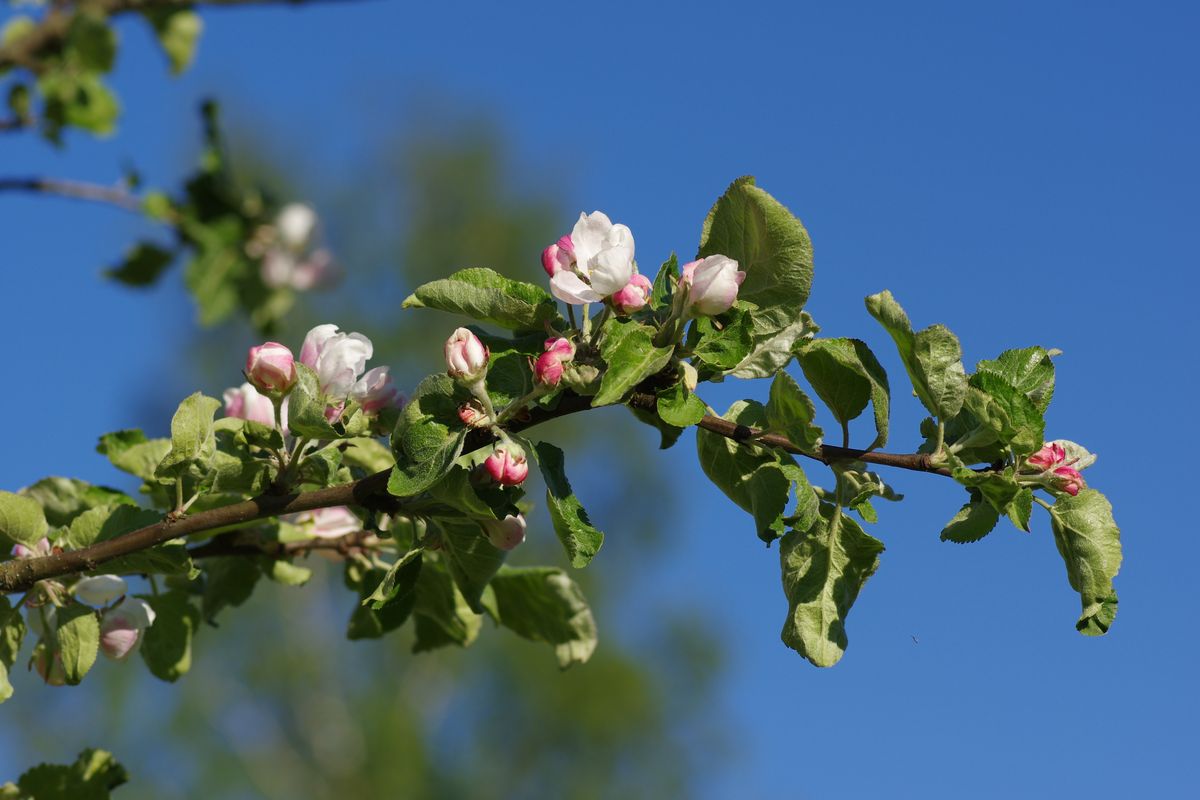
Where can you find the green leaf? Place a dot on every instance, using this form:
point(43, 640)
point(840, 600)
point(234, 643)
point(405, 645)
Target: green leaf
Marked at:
point(399, 582)
point(130, 451)
point(106, 522)
point(679, 407)
point(428, 438)
point(90, 43)
point(669, 433)
point(1021, 508)
point(192, 439)
point(306, 407)
point(998, 488)
point(167, 644)
point(1090, 544)
point(773, 248)
point(12, 633)
point(1021, 425)
point(487, 296)
point(286, 573)
point(973, 521)
point(371, 621)
point(21, 520)
point(845, 375)
point(144, 263)
point(628, 349)
point(63, 499)
point(790, 412)
point(543, 604)
point(509, 376)
point(723, 342)
point(93, 776)
point(1028, 369)
point(442, 616)
point(78, 99)
point(571, 524)
point(178, 32)
point(470, 557)
point(664, 282)
point(748, 474)
point(932, 357)
point(78, 640)
point(824, 569)
point(228, 582)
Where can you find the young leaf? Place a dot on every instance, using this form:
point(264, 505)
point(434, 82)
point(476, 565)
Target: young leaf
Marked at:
point(12, 633)
point(487, 296)
point(93, 776)
point(669, 433)
point(1021, 508)
point(973, 521)
point(399, 582)
point(628, 350)
point(932, 357)
point(78, 639)
point(543, 604)
point(1090, 544)
point(442, 614)
point(790, 412)
point(306, 407)
point(470, 557)
point(21, 520)
point(824, 569)
point(106, 522)
point(130, 451)
point(772, 247)
point(723, 343)
point(845, 375)
point(571, 524)
point(178, 31)
point(192, 438)
point(372, 620)
point(1022, 426)
point(63, 499)
point(679, 407)
point(428, 437)
point(144, 263)
point(661, 290)
point(167, 644)
point(228, 582)
point(1029, 369)
point(998, 488)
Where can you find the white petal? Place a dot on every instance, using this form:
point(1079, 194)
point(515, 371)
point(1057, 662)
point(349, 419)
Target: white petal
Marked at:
point(611, 270)
point(570, 288)
point(588, 237)
point(99, 590)
point(314, 343)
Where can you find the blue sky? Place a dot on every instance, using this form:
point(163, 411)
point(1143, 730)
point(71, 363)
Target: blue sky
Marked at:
point(1025, 173)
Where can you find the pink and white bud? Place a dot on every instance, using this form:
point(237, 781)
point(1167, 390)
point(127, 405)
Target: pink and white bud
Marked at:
point(122, 626)
point(326, 523)
point(634, 296)
point(473, 415)
point(1068, 480)
point(507, 533)
point(42, 548)
point(296, 224)
point(558, 256)
point(376, 391)
point(466, 357)
point(549, 366)
point(337, 358)
point(507, 466)
point(1049, 456)
point(271, 367)
point(245, 402)
point(99, 590)
point(711, 284)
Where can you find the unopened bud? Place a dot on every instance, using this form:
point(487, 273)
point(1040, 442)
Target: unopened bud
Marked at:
point(507, 465)
point(1068, 480)
point(548, 369)
point(122, 626)
point(466, 357)
point(507, 533)
point(472, 415)
point(271, 367)
point(711, 284)
point(558, 256)
point(99, 590)
point(633, 296)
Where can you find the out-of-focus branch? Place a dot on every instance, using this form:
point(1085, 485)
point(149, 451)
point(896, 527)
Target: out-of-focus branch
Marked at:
point(237, 544)
point(78, 190)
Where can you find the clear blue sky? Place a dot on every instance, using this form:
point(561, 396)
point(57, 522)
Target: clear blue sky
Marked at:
point(1026, 173)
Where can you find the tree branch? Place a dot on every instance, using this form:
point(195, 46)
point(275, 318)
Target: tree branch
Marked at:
point(237, 544)
point(20, 574)
point(51, 30)
point(78, 190)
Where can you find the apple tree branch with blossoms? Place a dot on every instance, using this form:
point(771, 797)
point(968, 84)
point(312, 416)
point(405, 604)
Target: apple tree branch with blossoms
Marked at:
point(422, 497)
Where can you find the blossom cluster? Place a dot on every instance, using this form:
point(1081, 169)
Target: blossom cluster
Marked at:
point(1057, 466)
point(290, 256)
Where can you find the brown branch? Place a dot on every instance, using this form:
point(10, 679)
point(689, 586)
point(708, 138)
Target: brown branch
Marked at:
point(51, 31)
point(238, 544)
point(20, 574)
point(77, 190)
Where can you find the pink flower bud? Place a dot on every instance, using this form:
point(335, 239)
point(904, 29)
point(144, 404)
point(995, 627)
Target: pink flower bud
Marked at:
point(711, 284)
point(473, 416)
point(466, 357)
point(376, 391)
point(326, 523)
point(1048, 456)
point(548, 369)
point(1068, 480)
point(634, 296)
point(122, 626)
point(558, 256)
point(271, 367)
point(42, 548)
point(507, 533)
point(99, 590)
point(507, 468)
point(246, 403)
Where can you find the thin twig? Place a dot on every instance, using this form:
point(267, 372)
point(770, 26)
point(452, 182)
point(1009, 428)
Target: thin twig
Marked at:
point(77, 190)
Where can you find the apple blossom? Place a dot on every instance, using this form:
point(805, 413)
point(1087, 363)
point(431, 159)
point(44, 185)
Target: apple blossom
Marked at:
point(1050, 455)
point(296, 224)
point(558, 256)
point(337, 358)
point(507, 465)
point(375, 391)
point(245, 402)
point(1067, 480)
point(548, 368)
point(99, 590)
point(42, 548)
point(633, 296)
point(711, 284)
point(326, 523)
point(466, 357)
point(603, 261)
point(271, 367)
point(473, 415)
point(122, 626)
point(281, 268)
point(507, 533)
